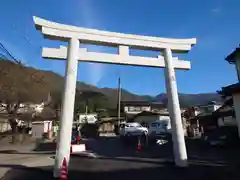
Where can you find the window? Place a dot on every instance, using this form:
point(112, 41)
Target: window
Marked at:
point(138, 126)
point(145, 108)
point(137, 108)
point(155, 125)
point(131, 108)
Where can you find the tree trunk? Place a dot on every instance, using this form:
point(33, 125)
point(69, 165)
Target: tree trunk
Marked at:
point(12, 109)
point(13, 125)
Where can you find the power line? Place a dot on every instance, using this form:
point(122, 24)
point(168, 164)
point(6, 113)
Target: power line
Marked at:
point(8, 54)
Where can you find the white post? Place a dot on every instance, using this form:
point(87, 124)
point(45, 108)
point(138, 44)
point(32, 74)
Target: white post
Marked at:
point(67, 111)
point(179, 147)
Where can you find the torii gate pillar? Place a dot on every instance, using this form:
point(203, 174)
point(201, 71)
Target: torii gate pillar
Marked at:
point(67, 109)
point(179, 148)
point(73, 54)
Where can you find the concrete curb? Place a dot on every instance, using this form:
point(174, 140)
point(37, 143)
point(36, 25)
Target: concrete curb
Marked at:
point(40, 162)
point(86, 154)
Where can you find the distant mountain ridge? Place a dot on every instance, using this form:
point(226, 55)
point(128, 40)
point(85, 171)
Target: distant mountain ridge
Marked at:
point(189, 100)
point(53, 81)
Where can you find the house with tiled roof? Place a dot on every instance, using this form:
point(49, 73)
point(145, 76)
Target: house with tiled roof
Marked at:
point(233, 91)
point(228, 114)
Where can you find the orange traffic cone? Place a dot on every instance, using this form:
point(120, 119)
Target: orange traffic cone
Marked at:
point(64, 171)
point(139, 146)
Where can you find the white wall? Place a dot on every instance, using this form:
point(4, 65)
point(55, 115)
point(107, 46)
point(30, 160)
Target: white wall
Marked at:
point(237, 65)
point(131, 109)
point(91, 118)
point(37, 130)
point(236, 103)
point(215, 107)
point(207, 108)
point(4, 125)
point(167, 118)
point(47, 126)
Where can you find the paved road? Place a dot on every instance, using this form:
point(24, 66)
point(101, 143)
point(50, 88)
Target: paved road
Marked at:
point(117, 162)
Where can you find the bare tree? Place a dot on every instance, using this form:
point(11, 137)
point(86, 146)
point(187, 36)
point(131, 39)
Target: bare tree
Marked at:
point(54, 102)
point(18, 85)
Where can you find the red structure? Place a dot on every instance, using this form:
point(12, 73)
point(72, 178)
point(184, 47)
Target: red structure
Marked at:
point(139, 146)
point(64, 170)
point(78, 138)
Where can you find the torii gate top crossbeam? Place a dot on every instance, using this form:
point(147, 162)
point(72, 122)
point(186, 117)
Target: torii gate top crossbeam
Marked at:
point(56, 31)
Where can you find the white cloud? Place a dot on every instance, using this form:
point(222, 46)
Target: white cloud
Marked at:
point(216, 10)
point(91, 20)
point(87, 13)
point(96, 72)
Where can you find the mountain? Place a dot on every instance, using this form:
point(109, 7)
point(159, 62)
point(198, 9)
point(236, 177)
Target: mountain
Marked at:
point(189, 100)
point(25, 78)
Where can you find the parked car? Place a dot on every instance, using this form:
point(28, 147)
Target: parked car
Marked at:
point(132, 129)
point(159, 128)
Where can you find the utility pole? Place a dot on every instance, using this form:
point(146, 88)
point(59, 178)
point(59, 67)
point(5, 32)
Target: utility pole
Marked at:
point(119, 101)
point(86, 111)
point(86, 107)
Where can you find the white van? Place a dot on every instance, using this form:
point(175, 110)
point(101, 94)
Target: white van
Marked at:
point(160, 127)
point(132, 129)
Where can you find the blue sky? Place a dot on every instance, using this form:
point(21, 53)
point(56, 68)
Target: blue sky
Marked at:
point(215, 24)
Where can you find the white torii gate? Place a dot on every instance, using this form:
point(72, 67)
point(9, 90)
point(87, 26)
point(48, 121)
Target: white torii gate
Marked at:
point(73, 53)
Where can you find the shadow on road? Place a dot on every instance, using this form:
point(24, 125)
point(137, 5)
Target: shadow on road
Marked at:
point(198, 153)
point(45, 146)
point(120, 161)
point(38, 148)
point(130, 171)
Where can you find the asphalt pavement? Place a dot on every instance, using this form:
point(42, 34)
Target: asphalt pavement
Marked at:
point(116, 161)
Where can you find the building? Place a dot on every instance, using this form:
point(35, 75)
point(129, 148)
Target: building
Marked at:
point(198, 117)
point(226, 114)
point(147, 117)
point(233, 91)
point(221, 119)
point(90, 118)
point(40, 128)
point(221, 122)
point(135, 107)
point(210, 107)
point(202, 109)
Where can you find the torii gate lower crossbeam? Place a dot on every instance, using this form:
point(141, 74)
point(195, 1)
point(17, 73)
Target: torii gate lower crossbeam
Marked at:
point(74, 35)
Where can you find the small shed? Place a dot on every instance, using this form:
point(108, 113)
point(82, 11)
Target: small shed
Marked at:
point(41, 127)
point(42, 123)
